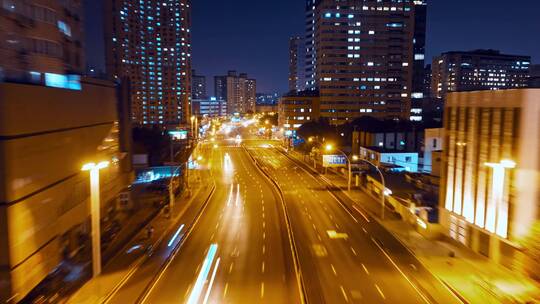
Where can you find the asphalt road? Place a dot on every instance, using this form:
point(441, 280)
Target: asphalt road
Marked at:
point(342, 257)
point(238, 252)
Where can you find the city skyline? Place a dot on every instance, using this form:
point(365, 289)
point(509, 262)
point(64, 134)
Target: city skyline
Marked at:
point(268, 61)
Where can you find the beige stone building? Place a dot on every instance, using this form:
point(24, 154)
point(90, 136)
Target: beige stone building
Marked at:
point(490, 183)
point(46, 135)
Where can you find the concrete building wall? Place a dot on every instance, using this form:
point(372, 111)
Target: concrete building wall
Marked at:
point(46, 135)
point(293, 111)
point(490, 127)
point(433, 142)
point(41, 36)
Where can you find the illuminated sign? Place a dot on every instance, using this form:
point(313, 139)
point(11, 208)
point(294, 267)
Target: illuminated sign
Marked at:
point(71, 82)
point(179, 134)
point(334, 161)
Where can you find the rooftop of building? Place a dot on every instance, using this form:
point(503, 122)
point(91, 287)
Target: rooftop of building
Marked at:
point(486, 52)
point(386, 150)
point(305, 93)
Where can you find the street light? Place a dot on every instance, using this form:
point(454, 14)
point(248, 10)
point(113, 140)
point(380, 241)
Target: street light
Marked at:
point(95, 213)
point(330, 148)
point(500, 209)
point(385, 191)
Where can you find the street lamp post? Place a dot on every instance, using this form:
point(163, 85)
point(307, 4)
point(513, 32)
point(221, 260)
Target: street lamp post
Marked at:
point(171, 190)
point(499, 226)
point(330, 148)
point(384, 191)
point(95, 213)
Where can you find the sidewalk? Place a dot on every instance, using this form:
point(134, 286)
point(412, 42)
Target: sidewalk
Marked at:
point(136, 252)
point(474, 277)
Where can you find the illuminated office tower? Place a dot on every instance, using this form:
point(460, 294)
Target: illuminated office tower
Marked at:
point(149, 42)
point(297, 55)
point(477, 71)
point(360, 56)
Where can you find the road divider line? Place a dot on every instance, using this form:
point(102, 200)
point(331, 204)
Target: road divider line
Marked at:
point(361, 213)
point(380, 291)
point(292, 243)
point(401, 272)
point(344, 293)
point(225, 290)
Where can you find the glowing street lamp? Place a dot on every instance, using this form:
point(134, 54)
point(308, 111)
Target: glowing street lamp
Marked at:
point(329, 148)
point(95, 213)
point(498, 217)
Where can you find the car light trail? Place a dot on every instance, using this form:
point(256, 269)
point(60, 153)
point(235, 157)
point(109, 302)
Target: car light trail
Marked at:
point(211, 282)
point(175, 235)
point(203, 275)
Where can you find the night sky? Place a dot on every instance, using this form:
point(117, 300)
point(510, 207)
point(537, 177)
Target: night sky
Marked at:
point(252, 35)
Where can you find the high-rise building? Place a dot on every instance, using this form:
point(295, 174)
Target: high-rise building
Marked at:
point(149, 42)
point(360, 56)
point(419, 48)
point(38, 37)
point(198, 86)
point(534, 80)
point(239, 92)
point(490, 183)
point(477, 71)
point(297, 57)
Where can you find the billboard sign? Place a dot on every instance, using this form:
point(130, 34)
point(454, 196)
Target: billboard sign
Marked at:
point(179, 134)
point(334, 161)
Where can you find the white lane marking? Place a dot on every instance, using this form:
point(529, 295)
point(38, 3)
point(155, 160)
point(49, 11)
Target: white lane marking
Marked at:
point(262, 290)
point(361, 213)
point(264, 249)
point(365, 269)
point(264, 235)
point(401, 272)
point(209, 289)
point(364, 229)
point(237, 194)
point(333, 269)
point(380, 291)
point(230, 196)
point(344, 293)
point(353, 251)
point(225, 290)
point(262, 267)
point(231, 267)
